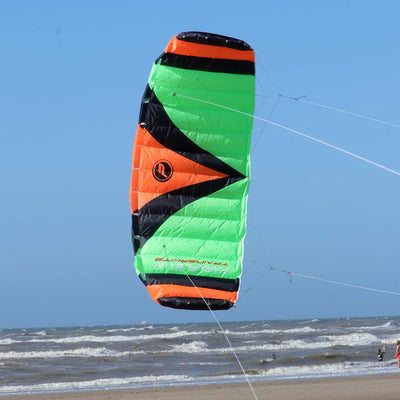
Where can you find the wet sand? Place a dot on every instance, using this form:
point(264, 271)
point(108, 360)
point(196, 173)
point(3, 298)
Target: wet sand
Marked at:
point(382, 387)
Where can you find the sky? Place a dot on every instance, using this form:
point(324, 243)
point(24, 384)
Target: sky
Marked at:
point(72, 77)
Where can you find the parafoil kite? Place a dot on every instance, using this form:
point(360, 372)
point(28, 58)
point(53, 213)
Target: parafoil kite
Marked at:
point(190, 171)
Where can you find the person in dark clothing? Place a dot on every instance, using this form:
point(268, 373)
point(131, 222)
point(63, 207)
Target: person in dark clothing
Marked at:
point(381, 353)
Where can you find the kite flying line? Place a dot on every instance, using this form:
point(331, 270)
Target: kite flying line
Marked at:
point(316, 278)
point(295, 132)
point(301, 100)
point(290, 273)
point(225, 335)
point(311, 277)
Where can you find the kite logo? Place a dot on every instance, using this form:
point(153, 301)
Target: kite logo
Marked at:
point(162, 170)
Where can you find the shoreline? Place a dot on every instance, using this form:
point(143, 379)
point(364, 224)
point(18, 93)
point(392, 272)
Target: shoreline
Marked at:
point(367, 387)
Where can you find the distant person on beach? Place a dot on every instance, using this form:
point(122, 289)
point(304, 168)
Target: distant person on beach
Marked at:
point(381, 353)
point(397, 353)
point(274, 356)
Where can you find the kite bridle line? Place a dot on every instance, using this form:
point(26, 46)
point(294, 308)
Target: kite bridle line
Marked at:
point(226, 337)
point(292, 131)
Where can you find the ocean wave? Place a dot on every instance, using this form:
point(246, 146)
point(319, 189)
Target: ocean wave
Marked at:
point(173, 333)
point(309, 321)
point(338, 369)
point(199, 346)
point(131, 329)
point(196, 346)
point(107, 339)
point(125, 329)
point(320, 357)
point(346, 340)
point(7, 341)
point(203, 363)
point(266, 360)
point(294, 344)
point(351, 339)
point(40, 333)
point(267, 347)
point(305, 329)
point(388, 326)
point(138, 381)
point(255, 374)
point(330, 369)
point(391, 339)
point(82, 352)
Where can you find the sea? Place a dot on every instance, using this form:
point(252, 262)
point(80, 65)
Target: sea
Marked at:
point(159, 355)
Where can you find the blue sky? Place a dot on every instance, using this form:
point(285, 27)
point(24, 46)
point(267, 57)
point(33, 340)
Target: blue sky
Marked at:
point(72, 77)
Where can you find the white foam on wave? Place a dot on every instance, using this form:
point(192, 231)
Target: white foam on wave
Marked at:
point(309, 321)
point(137, 381)
point(305, 329)
point(113, 338)
point(351, 339)
point(7, 341)
point(82, 352)
point(322, 342)
point(311, 371)
point(392, 338)
point(40, 333)
point(131, 329)
point(124, 330)
point(173, 333)
point(204, 363)
point(196, 346)
point(388, 326)
point(336, 369)
point(174, 329)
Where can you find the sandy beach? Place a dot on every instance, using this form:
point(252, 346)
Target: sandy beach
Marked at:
point(382, 387)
